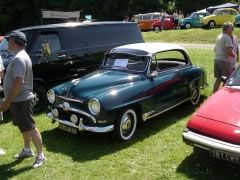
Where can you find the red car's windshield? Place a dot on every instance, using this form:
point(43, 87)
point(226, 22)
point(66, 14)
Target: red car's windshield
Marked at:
point(234, 80)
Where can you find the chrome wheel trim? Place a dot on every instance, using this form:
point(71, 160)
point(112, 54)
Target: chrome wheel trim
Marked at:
point(35, 99)
point(156, 29)
point(195, 95)
point(212, 24)
point(128, 124)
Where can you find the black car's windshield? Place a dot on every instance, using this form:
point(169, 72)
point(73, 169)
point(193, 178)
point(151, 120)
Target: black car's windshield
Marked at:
point(4, 45)
point(234, 81)
point(126, 62)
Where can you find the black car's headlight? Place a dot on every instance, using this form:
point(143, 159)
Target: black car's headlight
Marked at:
point(94, 106)
point(51, 96)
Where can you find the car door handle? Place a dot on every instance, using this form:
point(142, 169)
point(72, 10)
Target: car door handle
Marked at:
point(62, 56)
point(68, 63)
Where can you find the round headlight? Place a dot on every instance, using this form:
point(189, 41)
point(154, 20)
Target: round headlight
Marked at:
point(74, 118)
point(55, 112)
point(51, 96)
point(94, 106)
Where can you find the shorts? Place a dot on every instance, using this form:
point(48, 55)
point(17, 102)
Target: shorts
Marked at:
point(222, 68)
point(22, 113)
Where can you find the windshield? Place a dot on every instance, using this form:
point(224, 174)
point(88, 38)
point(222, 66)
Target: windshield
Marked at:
point(126, 62)
point(234, 81)
point(4, 45)
point(192, 15)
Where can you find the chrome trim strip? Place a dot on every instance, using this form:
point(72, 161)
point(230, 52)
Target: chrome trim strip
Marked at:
point(69, 99)
point(82, 127)
point(146, 114)
point(80, 112)
point(210, 143)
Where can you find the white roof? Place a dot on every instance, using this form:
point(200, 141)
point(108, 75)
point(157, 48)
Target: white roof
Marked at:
point(152, 48)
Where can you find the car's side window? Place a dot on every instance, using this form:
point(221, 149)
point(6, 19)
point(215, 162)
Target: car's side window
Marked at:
point(169, 59)
point(51, 39)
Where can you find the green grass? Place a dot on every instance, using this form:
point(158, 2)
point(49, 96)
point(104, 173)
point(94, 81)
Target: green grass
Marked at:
point(155, 152)
point(197, 35)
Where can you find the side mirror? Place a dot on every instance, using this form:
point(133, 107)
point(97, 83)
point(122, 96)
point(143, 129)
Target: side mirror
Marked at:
point(153, 74)
point(224, 79)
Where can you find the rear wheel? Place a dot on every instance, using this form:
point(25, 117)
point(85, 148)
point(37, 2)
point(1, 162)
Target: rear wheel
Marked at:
point(40, 97)
point(194, 93)
point(125, 125)
point(211, 24)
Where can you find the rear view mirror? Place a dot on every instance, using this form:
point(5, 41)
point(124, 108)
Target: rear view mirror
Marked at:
point(46, 51)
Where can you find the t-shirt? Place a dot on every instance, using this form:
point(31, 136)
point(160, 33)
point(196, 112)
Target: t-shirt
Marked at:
point(235, 48)
point(19, 66)
point(1, 64)
point(223, 42)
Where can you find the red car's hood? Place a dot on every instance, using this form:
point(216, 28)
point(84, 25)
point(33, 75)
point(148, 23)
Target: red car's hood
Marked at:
point(223, 106)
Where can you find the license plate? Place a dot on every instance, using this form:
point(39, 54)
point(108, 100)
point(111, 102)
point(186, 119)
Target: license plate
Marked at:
point(225, 156)
point(68, 129)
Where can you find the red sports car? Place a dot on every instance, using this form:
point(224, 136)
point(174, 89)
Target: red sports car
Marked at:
point(215, 127)
point(168, 24)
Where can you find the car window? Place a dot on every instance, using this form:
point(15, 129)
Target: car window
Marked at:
point(168, 59)
point(201, 16)
point(156, 16)
point(52, 39)
point(195, 16)
point(126, 62)
point(233, 12)
point(147, 17)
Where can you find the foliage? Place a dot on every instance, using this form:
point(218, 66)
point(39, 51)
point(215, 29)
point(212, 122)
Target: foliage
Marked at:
point(16, 14)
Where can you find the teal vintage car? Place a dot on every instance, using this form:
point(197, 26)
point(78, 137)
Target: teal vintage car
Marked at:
point(194, 20)
point(237, 21)
point(134, 83)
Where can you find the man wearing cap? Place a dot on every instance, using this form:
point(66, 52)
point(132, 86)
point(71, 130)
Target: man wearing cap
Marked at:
point(226, 54)
point(18, 87)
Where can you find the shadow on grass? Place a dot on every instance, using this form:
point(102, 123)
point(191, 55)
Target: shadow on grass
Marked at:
point(7, 170)
point(92, 146)
point(199, 165)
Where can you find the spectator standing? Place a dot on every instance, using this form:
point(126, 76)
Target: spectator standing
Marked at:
point(126, 19)
point(163, 15)
point(18, 86)
point(2, 152)
point(175, 15)
point(180, 16)
point(226, 54)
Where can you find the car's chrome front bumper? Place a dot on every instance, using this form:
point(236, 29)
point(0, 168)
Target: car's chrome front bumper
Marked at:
point(81, 126)
point(208, 143)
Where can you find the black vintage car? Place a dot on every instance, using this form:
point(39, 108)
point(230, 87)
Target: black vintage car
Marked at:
point(60, 52)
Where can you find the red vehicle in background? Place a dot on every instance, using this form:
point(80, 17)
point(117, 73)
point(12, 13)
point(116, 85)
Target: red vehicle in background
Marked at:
point(168, 24)
point(215, 127)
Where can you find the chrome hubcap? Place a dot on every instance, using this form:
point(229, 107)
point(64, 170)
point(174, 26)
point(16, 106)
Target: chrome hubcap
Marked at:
point(126, 123)
point(35, 99)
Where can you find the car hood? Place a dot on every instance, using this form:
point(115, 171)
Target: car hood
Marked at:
point(223, 106)
point(99, 82)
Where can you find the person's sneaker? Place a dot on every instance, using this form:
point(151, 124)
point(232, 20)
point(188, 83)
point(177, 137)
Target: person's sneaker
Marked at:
point(39, 161)
point(24, 154)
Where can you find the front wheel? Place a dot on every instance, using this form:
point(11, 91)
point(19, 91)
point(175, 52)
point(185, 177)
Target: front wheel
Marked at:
point(188, 26)
point(40, 97)
point(156, 29)
point(194, 93)
point(125, 125)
